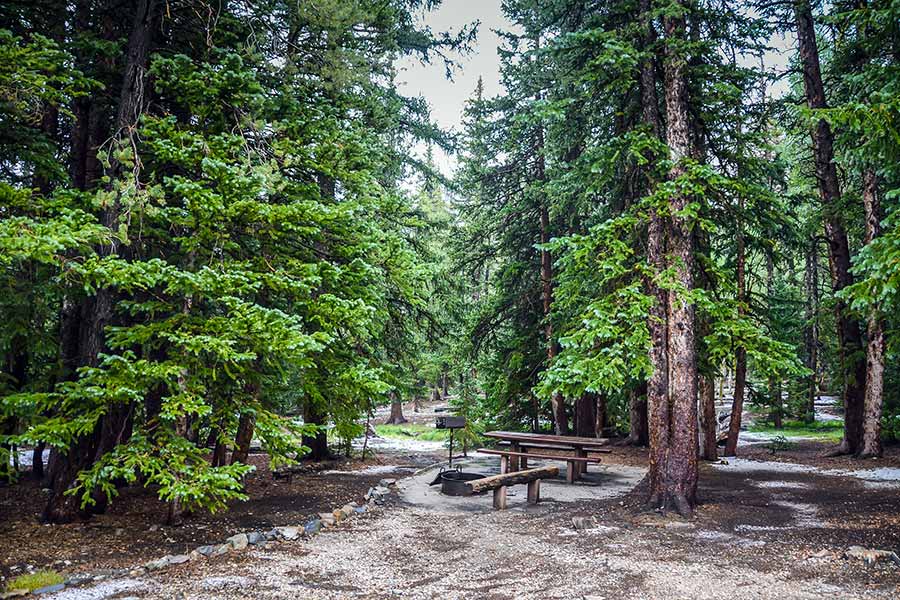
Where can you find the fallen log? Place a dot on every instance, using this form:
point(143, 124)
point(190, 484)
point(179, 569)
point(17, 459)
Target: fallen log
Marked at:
point(505, 479)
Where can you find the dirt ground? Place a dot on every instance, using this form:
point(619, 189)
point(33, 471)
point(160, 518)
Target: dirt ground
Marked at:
point(777, 526)
point(132, 531)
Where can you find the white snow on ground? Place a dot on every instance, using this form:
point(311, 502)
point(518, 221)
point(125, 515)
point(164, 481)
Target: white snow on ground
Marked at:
point(410, 444)
point(882, 476)
point(25, 458)
point(797, 485)
point(101, 591)
point(373, 470)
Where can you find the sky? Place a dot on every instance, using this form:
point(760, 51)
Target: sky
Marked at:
point(447, 98)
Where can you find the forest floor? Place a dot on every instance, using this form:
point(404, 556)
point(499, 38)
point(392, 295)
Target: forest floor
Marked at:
point(770, 525)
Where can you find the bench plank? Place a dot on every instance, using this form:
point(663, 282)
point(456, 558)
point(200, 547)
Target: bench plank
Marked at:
point(505, 479)
point(585, 459)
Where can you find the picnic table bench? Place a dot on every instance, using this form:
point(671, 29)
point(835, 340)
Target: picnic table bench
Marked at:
point(499, 483)
point(520, 442)
point(571, 461)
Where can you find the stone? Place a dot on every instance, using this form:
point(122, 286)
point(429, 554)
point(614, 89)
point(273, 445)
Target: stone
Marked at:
point(387, 482)
point(348, 510)
point(49, 589)
point(238, 541)
point(361, 509)
point(582, 523)
point(256, 538)
point(79, 579)
point(207, 550)
point(179, 559)
point(272, 534)
point(156, 565)
point(288, 533)
point(13, 594)
point(871, 556)
point(338, 515)
point(313, 527)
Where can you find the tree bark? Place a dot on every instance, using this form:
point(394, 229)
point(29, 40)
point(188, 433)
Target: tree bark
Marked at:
point(318, 443)
point(740, 355)
point(243, 437)
point(875, 347)
point(586, 415)
point(811, 332)
point(637, 416)
point(658, 409)
point(848, 329)
point(709, 420)
point(774, 381)
point(396, 417)
point(679, 479)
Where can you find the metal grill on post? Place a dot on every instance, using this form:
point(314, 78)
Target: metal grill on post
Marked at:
point(452, 423)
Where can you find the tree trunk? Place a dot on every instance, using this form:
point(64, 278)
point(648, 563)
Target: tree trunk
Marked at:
point(740, 355)
point(678, 481)
point(243, 437)
point(220, 452)
point(848, 329)
point(709, 420)
point(811, 332)
point(396, 417)
point(560, 420)
point(586, 415)
point(318, 443)
point(774, 381)
point(637, 416)
point(658, 409)
point(875, 347)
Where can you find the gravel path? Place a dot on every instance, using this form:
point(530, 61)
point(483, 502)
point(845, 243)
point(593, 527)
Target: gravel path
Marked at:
point(419, 547)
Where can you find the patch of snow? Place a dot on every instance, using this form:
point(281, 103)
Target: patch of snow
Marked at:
point(100, 591)
point(373, 470)
point(799, 485)
point(399, 444)
point(25, 457)
point(879, 477)
point(748, 528)
point(806, 515)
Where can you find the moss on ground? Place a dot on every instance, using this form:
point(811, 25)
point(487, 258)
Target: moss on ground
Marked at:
point(820, 430)
point(34, 581)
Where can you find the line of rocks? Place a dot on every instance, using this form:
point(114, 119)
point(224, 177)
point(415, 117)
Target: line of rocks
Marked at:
point(374, 497)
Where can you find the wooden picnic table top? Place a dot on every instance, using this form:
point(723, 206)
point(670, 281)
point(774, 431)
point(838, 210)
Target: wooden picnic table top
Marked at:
point(560, 440)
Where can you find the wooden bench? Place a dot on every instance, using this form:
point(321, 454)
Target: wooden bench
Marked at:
point(499, 483)
point(571, 461)
point(580, 466)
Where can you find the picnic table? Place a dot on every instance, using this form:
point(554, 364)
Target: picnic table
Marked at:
point(520, 442)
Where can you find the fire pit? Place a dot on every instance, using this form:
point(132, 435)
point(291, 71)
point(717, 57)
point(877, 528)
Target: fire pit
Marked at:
point(453, 482)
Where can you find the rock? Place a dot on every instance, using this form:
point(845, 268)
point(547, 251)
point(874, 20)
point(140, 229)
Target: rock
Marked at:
point(207, 550)
point(338, 515)
point(156, 565)
point(581, 523)
point(238, 541)
point(256, 538)
point(870, 557)
point(388, 481)
point(49, 589)
point(313, 527)
point(13, 594)
point(179, 559)
point(79, 579)
point(214, 549)
point(288, 533)
point(272, 534)
point(360, 509)
point(348, 510)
